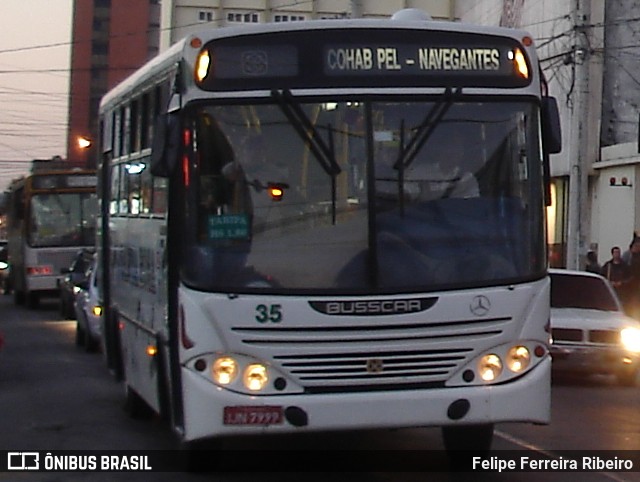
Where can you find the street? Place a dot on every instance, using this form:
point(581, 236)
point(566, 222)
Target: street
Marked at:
point(57, 397)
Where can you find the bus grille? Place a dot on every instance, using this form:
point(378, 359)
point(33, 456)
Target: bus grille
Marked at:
point(347, 356)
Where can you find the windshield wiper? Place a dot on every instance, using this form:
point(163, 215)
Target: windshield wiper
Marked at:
point(308, 132)
point(324, 154)
point(407, 154)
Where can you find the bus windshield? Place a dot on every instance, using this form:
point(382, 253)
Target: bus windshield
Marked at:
point(363, 196)
point(62, 219)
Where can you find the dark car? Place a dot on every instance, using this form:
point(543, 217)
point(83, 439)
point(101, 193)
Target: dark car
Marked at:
point(71, 284)
point(88, 309)
point(5, 284)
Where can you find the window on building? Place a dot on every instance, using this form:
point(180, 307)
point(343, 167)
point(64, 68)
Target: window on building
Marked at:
point(205, 16)
point(238, 17)
point(288, 18)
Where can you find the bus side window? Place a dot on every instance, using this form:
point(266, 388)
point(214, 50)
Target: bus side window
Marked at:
point(115, 190)
point(160, 188)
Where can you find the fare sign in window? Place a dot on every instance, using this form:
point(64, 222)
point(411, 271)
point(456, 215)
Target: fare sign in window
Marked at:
point(229, 226)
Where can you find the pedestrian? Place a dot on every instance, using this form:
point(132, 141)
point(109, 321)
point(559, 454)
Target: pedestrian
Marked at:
point(633, 288)
point(592, 263)
point(617, 272)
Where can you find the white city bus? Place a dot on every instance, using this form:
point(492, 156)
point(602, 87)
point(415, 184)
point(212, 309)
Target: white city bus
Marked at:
point(333, 225)
point(51, 216)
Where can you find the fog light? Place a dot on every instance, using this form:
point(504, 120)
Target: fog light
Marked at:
point(490, 367)
point(518, 358)
point(224, 370)
point(255, 377)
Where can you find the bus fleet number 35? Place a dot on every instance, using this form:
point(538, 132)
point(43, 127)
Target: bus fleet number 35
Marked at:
point(269, 313)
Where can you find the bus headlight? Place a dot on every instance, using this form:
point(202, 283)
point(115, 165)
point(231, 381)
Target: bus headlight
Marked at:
point(244, 374)
point(490, 367)
point(500, 364)
point(630, 338)
point(255, 377)
point(224, 370)
point(518, 358)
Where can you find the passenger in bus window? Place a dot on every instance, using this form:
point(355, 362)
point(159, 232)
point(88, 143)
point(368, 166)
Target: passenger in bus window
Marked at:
point(451, 175)
point(221, 191)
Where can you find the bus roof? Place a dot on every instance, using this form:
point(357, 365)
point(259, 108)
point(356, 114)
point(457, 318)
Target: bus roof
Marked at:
point(167, 60)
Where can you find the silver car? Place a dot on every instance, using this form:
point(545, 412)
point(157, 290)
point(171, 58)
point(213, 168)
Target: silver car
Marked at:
point(590, 332)
point(88, 309)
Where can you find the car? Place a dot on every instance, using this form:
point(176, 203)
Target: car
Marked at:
point(5, 281)
point(88, 310)
point(590, 333)
point(75, 275)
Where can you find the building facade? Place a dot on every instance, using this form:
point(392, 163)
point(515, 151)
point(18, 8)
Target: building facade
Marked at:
point(110, 39)
point(180, 17)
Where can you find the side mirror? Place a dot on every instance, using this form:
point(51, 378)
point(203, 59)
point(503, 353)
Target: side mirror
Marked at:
point(166, 145)
point(551, 130)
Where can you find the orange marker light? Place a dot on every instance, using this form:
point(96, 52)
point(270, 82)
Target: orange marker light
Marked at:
point(152, 350)
point(276, 193)
point(276, 190)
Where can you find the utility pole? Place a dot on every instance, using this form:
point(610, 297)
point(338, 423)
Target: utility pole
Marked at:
point(356, 8)
point(579, 154)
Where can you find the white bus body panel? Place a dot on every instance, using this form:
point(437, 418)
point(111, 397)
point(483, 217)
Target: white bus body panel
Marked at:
point(226, 325)
point(139, 293)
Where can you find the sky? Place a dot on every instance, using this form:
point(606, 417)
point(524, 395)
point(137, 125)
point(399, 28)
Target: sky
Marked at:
point(34, 82)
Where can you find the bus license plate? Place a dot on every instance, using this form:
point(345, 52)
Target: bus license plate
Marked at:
point(244, 415)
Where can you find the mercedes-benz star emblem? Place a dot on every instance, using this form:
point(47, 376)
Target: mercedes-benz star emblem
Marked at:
point(375, 365)
point(480, 305)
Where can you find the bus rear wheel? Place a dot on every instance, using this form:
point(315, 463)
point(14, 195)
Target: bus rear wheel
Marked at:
point(200, 455)
point(18, 297)
point(135, 406)
point(32, 299)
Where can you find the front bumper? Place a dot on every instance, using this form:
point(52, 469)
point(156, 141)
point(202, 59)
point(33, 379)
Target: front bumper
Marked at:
point(526, 399)
point(592, 358)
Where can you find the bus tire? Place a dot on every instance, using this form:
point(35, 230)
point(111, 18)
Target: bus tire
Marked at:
point(80, 335)
point(135, 406)
point(18, 297)
point(200, 455)
point(112, 351)
point(32, 299)
point(463, 441)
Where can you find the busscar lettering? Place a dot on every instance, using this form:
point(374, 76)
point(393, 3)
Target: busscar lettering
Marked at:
point(371, 307)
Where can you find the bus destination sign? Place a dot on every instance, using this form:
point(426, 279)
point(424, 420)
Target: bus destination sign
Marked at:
point(63, 181)
point(387, 58)
point(341, 60)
